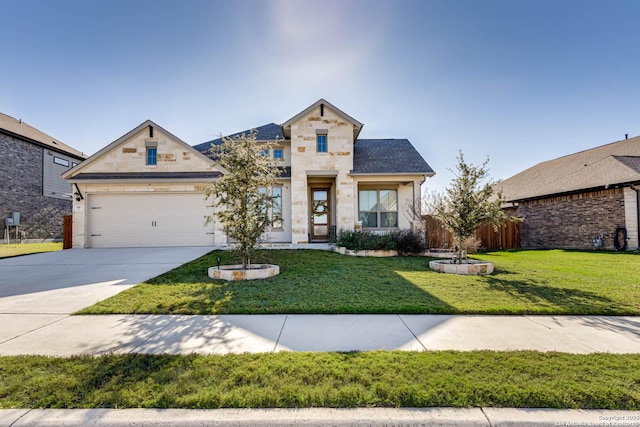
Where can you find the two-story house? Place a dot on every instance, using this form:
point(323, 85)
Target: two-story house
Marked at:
point(33, 196)
point(147, 187)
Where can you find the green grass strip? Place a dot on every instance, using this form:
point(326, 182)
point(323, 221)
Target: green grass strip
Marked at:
point(12, 250)
point(525, 282)
point(294, 380)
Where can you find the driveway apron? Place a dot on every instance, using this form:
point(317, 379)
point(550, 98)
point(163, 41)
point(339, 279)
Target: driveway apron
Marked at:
point(42, 289)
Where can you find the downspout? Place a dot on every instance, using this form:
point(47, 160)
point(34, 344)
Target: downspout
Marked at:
point(637, 190)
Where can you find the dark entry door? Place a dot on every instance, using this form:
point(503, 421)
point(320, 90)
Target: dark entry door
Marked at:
point(320, 214)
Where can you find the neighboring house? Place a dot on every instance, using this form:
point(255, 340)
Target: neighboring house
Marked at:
point(30, 169)
point(579, 201)
point(147, 187)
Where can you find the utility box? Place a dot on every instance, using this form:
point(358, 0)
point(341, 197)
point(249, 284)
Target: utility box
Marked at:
point(8, 222)
point(16, 219)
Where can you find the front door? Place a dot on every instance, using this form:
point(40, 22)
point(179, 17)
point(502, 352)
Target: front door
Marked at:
point(320, 214)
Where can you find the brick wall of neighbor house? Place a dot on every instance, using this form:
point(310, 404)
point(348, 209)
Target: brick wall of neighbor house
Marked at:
point(572, 222)
point(21, 191)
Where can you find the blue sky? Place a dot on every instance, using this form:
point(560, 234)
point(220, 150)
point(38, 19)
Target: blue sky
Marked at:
point(519, 81)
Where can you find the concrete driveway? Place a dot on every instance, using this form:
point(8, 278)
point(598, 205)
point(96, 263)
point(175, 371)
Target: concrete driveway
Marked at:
point(42, 289)
point(63, 282)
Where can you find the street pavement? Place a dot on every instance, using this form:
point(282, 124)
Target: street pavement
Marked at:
point(39, 293)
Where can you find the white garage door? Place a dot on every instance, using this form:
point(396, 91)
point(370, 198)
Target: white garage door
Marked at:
point(146, 220)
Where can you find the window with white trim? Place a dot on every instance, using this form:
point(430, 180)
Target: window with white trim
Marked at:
point(275, 210)
point(60, 161)
point(378, 208)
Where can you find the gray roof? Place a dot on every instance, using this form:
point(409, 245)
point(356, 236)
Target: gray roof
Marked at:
point(388, 156)
point(148, 175)
point(632, 162)
point(601, 167)
point(20, 128)
point(268, 132)
point(284, 171)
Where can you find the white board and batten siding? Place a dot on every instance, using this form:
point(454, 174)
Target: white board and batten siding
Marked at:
point(149, 220)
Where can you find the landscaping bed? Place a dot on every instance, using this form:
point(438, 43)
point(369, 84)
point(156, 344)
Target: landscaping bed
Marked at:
point(294, 380)
point(524, 282)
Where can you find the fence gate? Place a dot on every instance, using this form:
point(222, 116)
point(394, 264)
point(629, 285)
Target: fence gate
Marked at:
point(67, 234)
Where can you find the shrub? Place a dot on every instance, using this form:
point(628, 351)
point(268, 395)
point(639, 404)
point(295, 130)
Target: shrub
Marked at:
point(471, 244)
point(358, 240)
point(410, 241)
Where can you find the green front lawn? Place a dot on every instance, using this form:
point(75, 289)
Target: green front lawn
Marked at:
point(525, 282)
point(290, 380)
point(7, 251)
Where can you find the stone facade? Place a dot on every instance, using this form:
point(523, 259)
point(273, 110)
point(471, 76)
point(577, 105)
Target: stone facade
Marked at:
point(21, 166)
point(331, 168)
point(128, 154)
point(319, 188)
point(572, 221)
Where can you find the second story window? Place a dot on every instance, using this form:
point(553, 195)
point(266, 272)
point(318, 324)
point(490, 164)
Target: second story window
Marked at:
point(60, 161)
point(264, 153)
point(321, 143)
point(278, 154)
point(152, 156)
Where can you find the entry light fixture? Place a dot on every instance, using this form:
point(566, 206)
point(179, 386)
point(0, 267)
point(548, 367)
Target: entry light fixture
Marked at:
point(77, 194)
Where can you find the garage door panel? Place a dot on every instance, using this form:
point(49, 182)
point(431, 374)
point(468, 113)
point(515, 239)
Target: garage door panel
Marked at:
point(126, 220)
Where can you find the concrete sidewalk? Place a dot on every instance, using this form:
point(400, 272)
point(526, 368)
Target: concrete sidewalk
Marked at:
point(64, 335)
point(489, 417)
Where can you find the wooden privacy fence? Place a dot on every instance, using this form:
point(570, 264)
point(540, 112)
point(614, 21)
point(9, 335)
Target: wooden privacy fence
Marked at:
point(506, 237)
point(67, 234)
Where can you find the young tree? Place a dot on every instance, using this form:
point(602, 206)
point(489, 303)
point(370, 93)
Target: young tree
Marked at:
point(243, 194)
point(469, 203)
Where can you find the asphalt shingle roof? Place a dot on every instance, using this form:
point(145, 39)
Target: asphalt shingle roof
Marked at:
point(268, 132)
point(21, 128)
point(611, 164)
point(388, 156)
point(147, 175)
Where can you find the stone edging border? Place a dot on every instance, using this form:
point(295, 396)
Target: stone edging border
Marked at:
point(236, 273)
point(366, 253)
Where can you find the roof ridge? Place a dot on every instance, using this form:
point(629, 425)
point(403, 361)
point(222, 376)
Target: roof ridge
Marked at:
point(594, 148)
point(35, 134)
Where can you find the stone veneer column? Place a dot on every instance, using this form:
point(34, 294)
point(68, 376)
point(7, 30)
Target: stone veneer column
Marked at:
point(345, 205)
point(299, 205)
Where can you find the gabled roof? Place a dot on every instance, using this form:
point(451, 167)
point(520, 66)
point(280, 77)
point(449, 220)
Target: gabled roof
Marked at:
point(268, 132)
point(388, 156)
point(601, 167)
point(357, 126)
point(78, 169)
point(20, 128)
